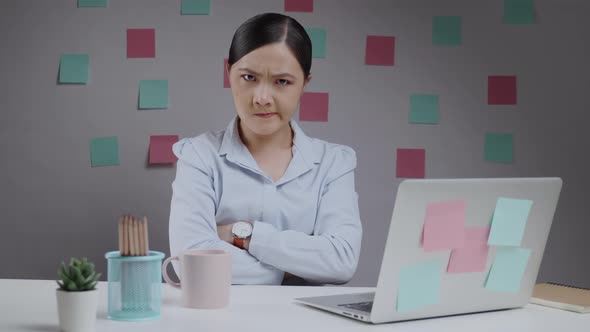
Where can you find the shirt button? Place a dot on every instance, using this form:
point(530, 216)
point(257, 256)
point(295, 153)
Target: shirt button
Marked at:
point(269, 186)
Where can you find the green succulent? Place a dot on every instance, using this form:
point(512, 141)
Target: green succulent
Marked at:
point(78, 276)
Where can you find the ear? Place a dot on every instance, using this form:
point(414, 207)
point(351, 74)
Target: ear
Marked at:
point(307, 80)
point(227, 69)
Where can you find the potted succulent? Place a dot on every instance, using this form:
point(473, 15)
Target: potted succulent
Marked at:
point(77, 296)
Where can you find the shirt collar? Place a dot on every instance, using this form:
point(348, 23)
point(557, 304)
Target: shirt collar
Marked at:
point(235, 150)
point(231, 138)
point(305, 145)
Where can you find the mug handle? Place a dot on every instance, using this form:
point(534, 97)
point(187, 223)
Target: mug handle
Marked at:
point(165, 272)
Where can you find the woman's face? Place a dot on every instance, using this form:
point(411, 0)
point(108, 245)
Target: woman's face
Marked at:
point(266, 85)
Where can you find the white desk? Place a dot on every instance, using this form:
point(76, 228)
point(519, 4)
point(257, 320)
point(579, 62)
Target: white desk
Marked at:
point(30, 305)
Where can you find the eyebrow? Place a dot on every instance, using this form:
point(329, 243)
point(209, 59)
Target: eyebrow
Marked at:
point(256, 73)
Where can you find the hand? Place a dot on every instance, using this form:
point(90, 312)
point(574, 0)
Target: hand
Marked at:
point(225, 234)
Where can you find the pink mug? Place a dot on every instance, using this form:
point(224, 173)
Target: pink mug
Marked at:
point(205, 277)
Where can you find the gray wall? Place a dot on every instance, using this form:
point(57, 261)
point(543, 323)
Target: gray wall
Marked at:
point(54, 205)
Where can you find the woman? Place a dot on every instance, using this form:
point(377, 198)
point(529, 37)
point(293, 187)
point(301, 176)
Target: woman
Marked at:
point(283, 203)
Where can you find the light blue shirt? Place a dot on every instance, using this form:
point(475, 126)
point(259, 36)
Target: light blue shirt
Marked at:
point(307, 223)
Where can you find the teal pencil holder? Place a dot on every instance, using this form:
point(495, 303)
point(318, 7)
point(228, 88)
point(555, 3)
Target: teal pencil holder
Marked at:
point(134, 286)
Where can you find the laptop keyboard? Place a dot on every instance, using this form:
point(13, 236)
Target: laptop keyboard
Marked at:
point(360, 306)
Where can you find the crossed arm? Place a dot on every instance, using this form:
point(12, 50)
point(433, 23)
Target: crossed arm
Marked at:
point(329, 255)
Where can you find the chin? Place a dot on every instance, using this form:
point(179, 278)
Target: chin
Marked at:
point(263, 127)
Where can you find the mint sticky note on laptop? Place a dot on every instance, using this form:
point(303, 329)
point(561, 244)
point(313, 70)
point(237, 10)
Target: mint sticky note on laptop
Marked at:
point(508, 269)
point(104, 151)
point(73, 68)
point(419, 285)
point(509, 221)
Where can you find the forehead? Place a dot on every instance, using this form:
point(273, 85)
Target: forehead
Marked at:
point(273, 57)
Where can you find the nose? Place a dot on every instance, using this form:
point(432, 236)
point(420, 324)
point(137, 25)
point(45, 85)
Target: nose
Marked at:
point(262, 95)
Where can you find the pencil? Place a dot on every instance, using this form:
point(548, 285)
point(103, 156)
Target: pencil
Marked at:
point(134, 237)
point(129, 237)
point(146, 236)
point(140, 233)
point(121, 235)
point(125, 236)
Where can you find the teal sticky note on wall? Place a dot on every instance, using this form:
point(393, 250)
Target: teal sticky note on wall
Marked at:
point(508, 269)
point(498, 147)
point(519, 12)
point(446, 31)
point(73, 68)
point(509, 221)
point(195, 7)
point(423, 109)
point(419, 285)
point(318, 42)
point(153, 94)
point(104, 151)
point(92, 3)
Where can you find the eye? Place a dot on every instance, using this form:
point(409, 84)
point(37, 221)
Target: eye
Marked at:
point(248, 77)
point(283, 81)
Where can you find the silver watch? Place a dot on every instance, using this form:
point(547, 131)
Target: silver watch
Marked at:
point(242, 230)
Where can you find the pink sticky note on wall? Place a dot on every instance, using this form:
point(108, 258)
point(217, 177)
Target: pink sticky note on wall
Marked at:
point(501, 90)
point(410, 163)
point(380, 50)
point(161, 149)
point(314, 106)
point(444, 226)
point(474, 254)
point(305, 6)
point(141, 43)
point(225, 75)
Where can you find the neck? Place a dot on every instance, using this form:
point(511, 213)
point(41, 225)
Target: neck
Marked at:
point(280, 140)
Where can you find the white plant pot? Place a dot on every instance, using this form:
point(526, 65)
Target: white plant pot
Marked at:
point(77, 310)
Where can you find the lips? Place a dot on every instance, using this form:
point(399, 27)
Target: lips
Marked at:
point(265, 115)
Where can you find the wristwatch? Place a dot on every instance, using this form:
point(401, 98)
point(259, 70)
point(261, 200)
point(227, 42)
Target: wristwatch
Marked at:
point(241, 231)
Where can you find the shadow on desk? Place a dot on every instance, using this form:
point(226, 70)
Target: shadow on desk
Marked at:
point(37, 327)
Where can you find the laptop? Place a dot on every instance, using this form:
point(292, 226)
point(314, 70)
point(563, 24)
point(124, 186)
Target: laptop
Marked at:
point(455, 293)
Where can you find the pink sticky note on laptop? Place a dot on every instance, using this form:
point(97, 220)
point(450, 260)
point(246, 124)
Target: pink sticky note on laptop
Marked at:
point(304, 6)
point(161, 149)
point(444, 225)
point(141, 43)
point(314, 106)
point(474, 254)
point(380, 51)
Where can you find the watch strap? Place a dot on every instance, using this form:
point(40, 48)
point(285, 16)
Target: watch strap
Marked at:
point(239, 242)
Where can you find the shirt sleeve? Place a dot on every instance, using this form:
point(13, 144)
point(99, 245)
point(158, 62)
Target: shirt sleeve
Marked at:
point(330, 254)
point(192, 219)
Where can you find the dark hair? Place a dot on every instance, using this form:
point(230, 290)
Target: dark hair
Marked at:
point(269, 28)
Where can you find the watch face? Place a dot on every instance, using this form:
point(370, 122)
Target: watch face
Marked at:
point(242, 229)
